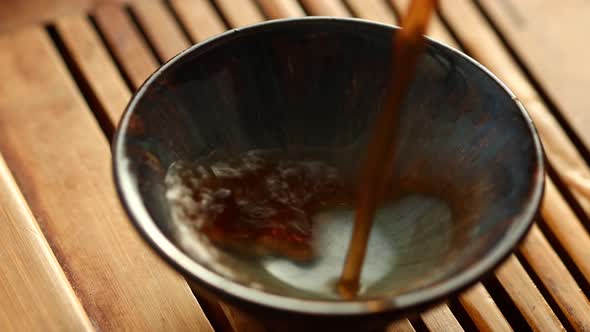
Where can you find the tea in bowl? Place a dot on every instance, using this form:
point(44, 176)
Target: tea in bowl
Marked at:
point(238, 162)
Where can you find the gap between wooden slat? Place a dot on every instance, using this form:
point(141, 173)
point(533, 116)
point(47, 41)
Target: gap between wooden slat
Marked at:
point(527, 297)
point(462, 315)
point(62, 165)
point(506, 304)
point(125, 41)
point(108, 88)
point(483, 310)
point(546, 295)
point(100, 113)
point(161, 28)
point(35, 294)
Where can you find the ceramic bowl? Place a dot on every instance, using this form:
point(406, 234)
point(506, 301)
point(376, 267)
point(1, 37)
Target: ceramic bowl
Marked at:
point(469, 163)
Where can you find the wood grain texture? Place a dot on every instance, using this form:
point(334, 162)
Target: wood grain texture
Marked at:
point(239, 13)
point(374, 10)
point(557, 279)
point(60, 159)
point(160, 26)
point(440, 318)
point(35, 294)
point(550, 39)
point(199, 18)
point(482, 43)
point(92, 59)
point(15, 14)
point(483, 310)
point(325, 8)
point(126, 43)
point(281, 8)
point(527, 297)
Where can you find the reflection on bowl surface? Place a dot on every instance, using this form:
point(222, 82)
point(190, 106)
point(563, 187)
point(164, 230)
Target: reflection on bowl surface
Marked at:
point(468, 172)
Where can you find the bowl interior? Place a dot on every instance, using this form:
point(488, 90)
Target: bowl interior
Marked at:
point(467, 165)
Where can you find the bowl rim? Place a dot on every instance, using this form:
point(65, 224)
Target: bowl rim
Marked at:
point(143, 222)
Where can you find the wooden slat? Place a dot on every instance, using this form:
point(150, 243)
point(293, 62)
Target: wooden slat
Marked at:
point(483, 310)
point(199, 18)
point(550, 39)
point(557, 279)
point(440, 318)
point(126, 42)
point(161, 28)
point(82, 42)
point(239, 12)
point(60, 159)
point(527, 297)
point(325, 8)
point(281, 8)
point(482, 43)
point(35, 294)
point(375, 10)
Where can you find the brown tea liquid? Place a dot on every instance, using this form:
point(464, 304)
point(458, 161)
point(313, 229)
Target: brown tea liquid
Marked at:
point(408, 44)
point(260, 203)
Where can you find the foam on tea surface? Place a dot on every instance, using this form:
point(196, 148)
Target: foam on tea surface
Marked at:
point(283, 225)
point(388, 264)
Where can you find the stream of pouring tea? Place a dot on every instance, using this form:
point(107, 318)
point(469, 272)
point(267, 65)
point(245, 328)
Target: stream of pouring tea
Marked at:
point(408, 44)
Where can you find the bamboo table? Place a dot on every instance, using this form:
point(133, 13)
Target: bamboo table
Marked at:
point(71, 261)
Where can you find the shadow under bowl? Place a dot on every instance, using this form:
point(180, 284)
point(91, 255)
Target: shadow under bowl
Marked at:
point(469, 163)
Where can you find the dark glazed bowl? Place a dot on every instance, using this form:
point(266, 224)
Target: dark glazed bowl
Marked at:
point(317, 83)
